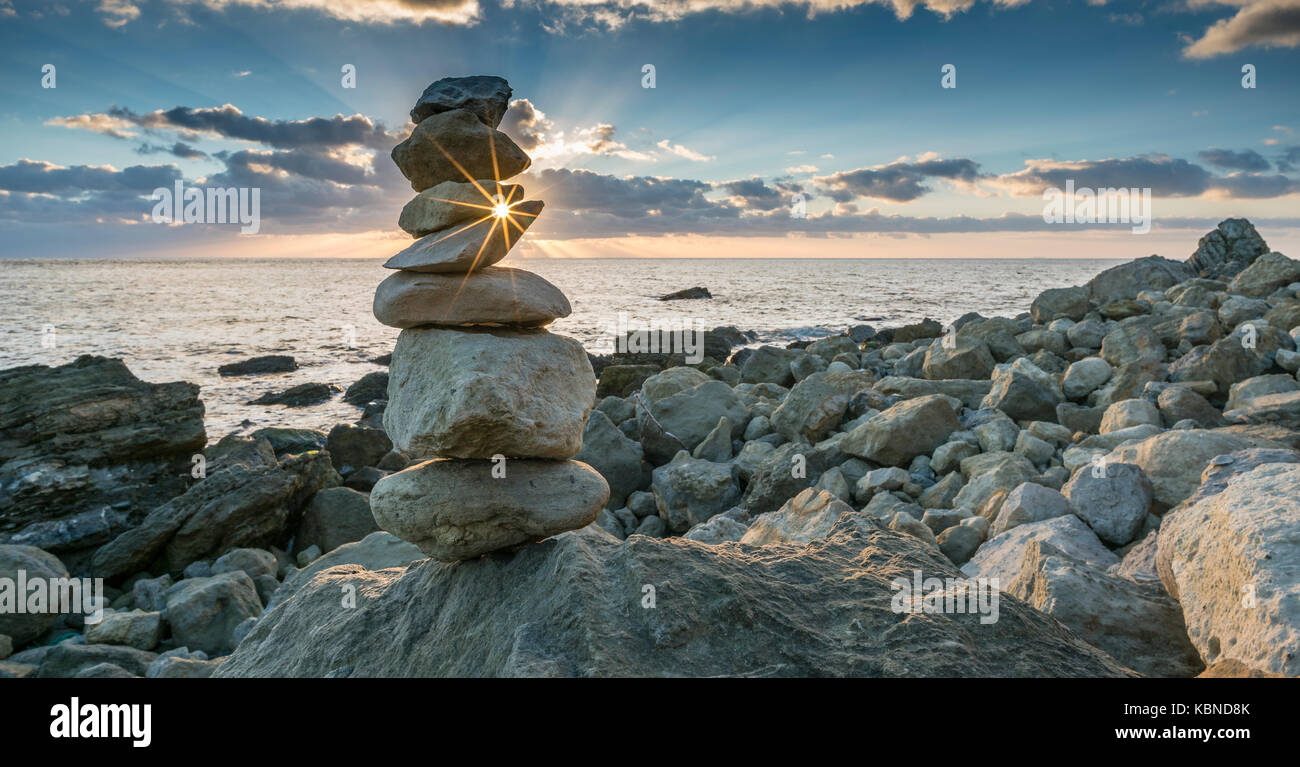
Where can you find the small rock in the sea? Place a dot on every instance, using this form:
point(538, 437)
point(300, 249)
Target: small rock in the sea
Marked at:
point(271, 363)
point(696, 292)
point(303, 395)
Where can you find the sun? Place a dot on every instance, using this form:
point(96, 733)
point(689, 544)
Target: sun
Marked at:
point(500, 209)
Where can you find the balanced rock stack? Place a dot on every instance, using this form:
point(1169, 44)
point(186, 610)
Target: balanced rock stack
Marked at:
point(476, 381)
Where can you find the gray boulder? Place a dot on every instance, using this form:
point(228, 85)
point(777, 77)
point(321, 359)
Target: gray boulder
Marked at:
point(1113, 498)
point(1233, 562)
point(38, 565)
point(690, 491)
point(204, 612)
point(335, 516)
point(610, 452)
point(562, 609)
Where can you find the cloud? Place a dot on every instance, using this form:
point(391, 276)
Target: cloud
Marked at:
point(97, 123)
point(681, 151)
point(35, 177)
point(453, 12)
point(227, 121)
point(899, 181)
point(1266, 23)
point(526, 124)
point(1253, 186)
point(179, 149)
point(630, 197)
point(548, 145)
point(1165, 176)
point(753, 193)
point(117, 13)
point(1247, 159)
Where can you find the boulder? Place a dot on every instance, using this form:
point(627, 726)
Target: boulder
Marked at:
point(515, 502)
point(1228, 249)
point(484, 96)
point(137, 628)
point(454, 203)
point(910, 428)
point(1113, 498)
point(377, 551)
point(456, 146)
point(353, 447)
point(689, 491)
point(493, 295)
point(1054, 303)
point(1128, 413)
point(335, 516)
point(480, 393)
point(719, 529)
point(1281, 409)
point(1127, 280)
point(768, 364)
point(690, 414)
point(87, 448)
point(204, 612)
point(1266, 274)
point(811, 410)
point(808, 516)
point(247, 500)
point(1173, 461)
point(1084, 377)
point(1024, 392)
point(67, 660)
point(562, 608)
point(36, 566)
point(990, 473)
point(617, 458)
point(1233, 562)
point(470, 247)
point(302, 395)
point(1137, 624)
point(1029, 502)
point(960, 357)
point(1003, 556)
point(270, 363)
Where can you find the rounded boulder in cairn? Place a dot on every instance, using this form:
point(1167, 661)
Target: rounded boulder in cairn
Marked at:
point(469, 247)
point(452, 203)
point(457, 146)
point(495, 295)
point(456, 510)
point(485, 96)
point(470, 393)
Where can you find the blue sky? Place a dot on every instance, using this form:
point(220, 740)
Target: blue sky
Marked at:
point(754, 103)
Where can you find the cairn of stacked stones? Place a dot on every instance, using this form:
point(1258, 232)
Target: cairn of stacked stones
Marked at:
point(477, 384)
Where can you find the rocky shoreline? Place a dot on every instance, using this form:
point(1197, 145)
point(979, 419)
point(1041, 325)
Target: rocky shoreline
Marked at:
point(1124, 457)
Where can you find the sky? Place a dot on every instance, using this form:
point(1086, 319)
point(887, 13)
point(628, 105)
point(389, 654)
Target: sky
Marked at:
point(756, 106)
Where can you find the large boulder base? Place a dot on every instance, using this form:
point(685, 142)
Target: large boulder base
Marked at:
point(585, 604)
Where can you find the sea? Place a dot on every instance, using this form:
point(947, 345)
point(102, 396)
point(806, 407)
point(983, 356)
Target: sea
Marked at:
point(180, 319)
